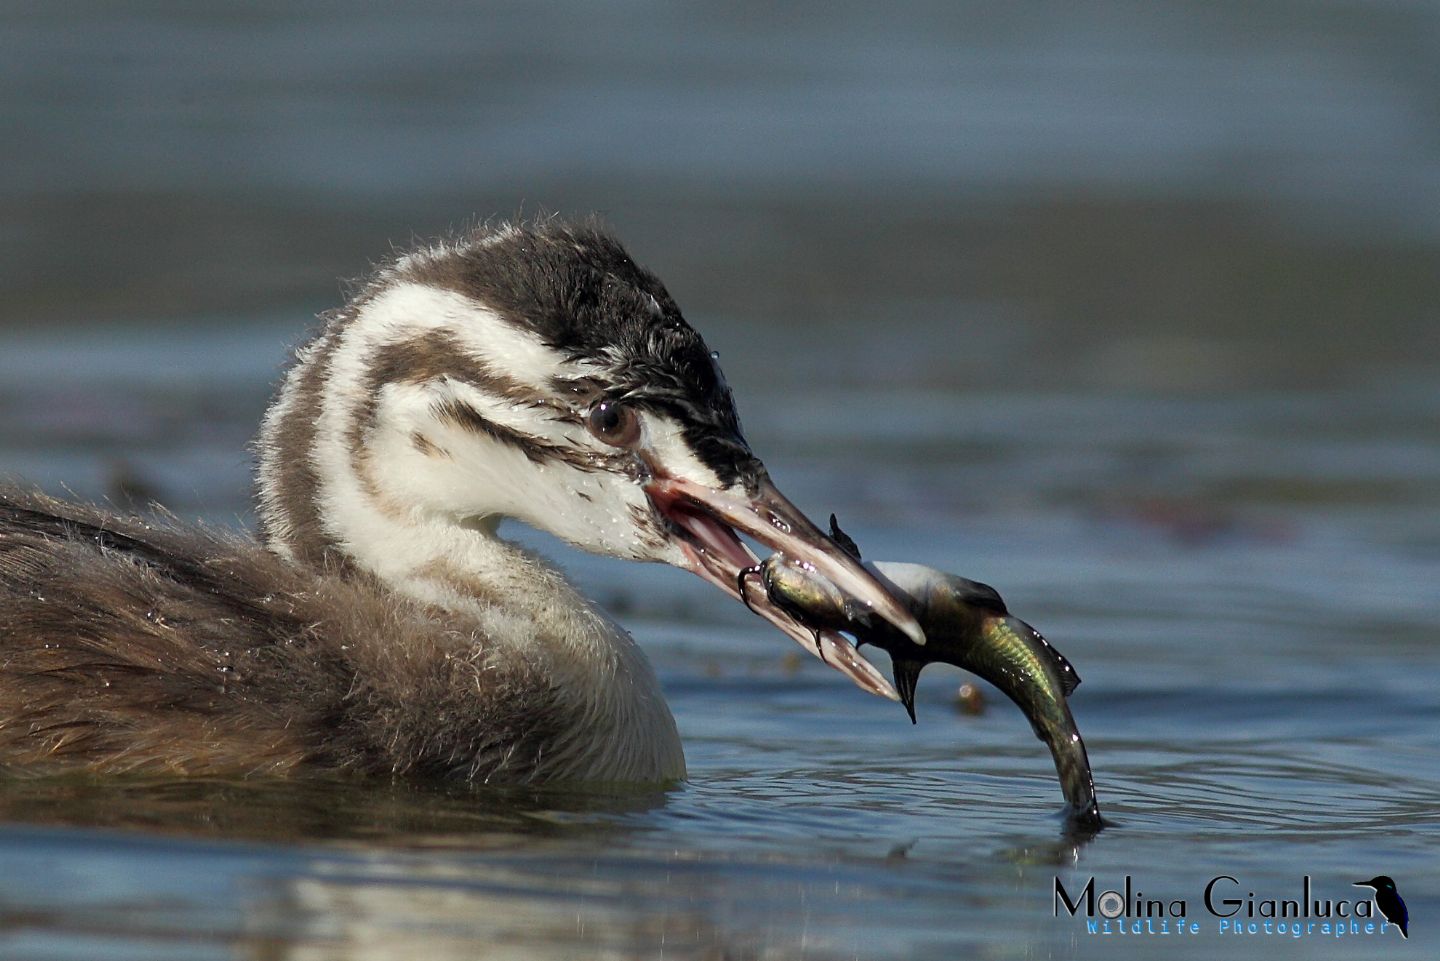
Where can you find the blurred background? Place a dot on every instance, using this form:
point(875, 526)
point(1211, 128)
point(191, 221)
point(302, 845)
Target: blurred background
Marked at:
point(1131, 309)
point(1189, 197)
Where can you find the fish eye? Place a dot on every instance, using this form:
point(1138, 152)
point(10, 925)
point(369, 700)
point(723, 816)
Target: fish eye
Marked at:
point(614, 423)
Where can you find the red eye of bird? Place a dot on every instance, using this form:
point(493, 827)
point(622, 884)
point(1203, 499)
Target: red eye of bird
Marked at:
point(614, 423)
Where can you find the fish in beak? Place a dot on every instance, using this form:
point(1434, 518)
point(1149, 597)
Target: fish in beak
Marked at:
point(969, 627)
point(707, 521)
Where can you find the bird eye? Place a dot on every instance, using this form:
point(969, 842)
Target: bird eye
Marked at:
point(614, 423)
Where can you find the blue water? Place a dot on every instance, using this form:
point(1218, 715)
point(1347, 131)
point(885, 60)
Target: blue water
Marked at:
point(1133, 313)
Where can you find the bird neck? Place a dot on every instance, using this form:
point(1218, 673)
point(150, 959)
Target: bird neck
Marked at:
point(620, 728)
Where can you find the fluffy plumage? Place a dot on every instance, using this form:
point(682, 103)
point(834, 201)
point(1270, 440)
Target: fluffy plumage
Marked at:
point(137, 647)
point(379, 632)
point(527, 371)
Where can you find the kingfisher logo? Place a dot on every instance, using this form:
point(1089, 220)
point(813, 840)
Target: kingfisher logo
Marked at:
point(1391, 904)
point(1227, 906)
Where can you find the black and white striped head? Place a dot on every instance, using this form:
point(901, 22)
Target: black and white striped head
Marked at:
point(526, 371)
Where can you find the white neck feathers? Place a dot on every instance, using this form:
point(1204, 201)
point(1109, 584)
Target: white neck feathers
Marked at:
point(337, 492)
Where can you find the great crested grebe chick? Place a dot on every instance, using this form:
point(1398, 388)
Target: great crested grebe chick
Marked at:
point(530, 371)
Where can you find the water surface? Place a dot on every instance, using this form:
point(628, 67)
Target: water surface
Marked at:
point(1135, 317)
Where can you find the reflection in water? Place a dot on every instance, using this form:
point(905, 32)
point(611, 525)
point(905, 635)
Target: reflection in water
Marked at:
point(495, 909)
point(408, 873)
point(512, 878)
point(401, 814)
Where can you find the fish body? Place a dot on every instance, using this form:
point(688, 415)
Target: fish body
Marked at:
point(966, 624)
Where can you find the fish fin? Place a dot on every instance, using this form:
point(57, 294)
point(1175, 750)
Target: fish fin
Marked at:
point(846, 542)
point(978, 595)
point(907, 673)
point(1069, 679)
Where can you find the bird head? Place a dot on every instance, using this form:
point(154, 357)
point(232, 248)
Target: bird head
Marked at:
point(537, 373)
